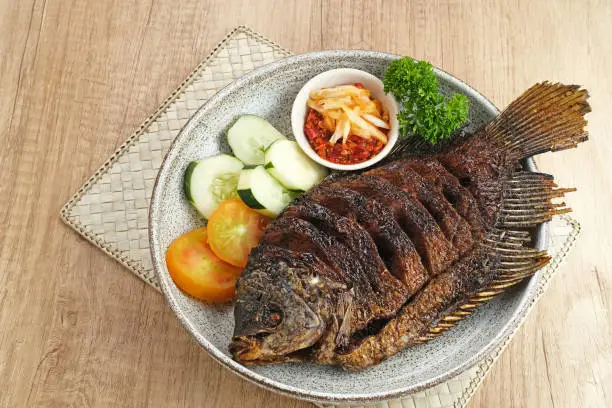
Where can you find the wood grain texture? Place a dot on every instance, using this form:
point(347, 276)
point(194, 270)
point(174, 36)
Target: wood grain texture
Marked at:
point(78, 76)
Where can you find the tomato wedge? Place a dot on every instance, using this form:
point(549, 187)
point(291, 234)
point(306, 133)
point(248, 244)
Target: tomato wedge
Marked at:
point(233, 230)
point(198, 271)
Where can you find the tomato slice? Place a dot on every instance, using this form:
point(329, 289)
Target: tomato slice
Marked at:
point(233, 230)
point(198, 271)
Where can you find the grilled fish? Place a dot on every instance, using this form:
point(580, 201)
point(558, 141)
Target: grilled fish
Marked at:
point(365, 265)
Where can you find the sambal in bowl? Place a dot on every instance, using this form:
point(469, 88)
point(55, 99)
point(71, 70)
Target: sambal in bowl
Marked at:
point(344, 120)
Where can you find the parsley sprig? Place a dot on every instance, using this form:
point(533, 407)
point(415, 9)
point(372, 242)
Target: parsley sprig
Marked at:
point(425, 112)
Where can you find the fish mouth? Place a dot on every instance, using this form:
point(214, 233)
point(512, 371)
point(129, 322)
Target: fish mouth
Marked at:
point(245, 348)
point(250, 350)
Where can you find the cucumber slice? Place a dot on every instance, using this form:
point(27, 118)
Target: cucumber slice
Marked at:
point(249, 137)
point(286, 161)
point(209, 181)
point(260, 191)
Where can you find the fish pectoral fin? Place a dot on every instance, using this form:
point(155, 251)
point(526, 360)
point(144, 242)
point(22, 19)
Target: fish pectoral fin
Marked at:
point(344, 330)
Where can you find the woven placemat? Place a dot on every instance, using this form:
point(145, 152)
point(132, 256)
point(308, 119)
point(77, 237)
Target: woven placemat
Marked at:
point(111, 209)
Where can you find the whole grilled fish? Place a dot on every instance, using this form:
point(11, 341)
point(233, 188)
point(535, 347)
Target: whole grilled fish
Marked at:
point(365, 265)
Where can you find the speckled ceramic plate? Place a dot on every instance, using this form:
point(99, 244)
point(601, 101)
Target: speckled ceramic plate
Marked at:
point(269, 92)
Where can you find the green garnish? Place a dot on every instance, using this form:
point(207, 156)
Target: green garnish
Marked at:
point(425, 112)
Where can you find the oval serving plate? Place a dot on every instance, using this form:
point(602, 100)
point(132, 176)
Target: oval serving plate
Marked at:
point(269, 91)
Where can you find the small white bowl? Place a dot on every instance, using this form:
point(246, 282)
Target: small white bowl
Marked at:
point(336, 77)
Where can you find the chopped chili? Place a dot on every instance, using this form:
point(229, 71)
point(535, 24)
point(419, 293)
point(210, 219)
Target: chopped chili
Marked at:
point(355, 150)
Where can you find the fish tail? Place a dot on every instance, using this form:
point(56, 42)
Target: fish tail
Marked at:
point(546, 117)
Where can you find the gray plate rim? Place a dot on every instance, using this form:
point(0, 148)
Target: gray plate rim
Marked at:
point(276, 386)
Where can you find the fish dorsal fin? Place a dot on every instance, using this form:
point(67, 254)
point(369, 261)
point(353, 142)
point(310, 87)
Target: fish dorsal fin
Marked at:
point(527, 200)
point(546, 117)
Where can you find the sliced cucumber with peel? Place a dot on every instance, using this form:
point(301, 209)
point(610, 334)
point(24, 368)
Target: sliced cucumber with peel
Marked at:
point(209, 181)
point(286, 161)
point(262, 192)
point(249, 137)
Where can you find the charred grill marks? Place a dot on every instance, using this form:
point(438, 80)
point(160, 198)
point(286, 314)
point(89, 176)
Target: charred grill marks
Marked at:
point(425, 184)
point(394, 246)
point(435, 250)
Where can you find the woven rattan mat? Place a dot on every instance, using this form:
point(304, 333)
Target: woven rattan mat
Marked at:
point(111, 209)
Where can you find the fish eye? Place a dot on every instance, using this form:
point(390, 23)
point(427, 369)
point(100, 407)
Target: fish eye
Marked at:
point(272, 317)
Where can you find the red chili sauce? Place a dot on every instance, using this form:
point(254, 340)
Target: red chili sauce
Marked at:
point(355, 150)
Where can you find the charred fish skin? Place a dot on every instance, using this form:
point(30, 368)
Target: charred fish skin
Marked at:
point(395, 248)
point(435, 250)
point(366, 265)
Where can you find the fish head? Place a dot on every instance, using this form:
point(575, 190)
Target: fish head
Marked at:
point(275, 322)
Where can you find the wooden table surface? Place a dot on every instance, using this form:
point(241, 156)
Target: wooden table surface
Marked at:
point(78, 76)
